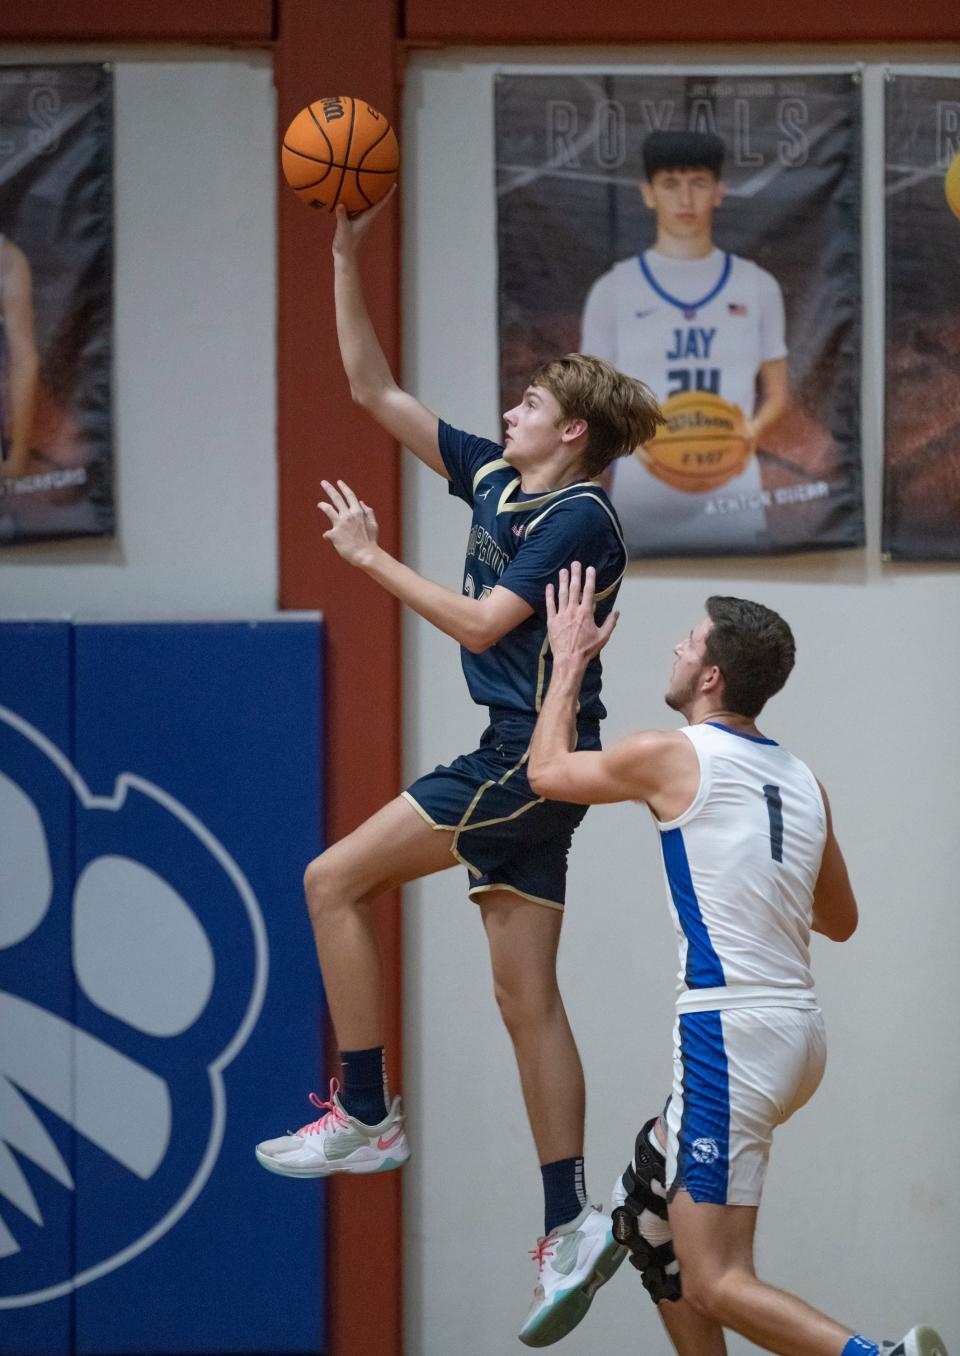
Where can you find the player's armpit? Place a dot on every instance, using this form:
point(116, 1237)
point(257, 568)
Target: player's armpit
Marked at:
point(834, 904)
point(493, 616)
point(635, 768)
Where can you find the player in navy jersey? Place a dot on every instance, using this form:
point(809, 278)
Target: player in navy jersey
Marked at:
point(752, 866)
point(536, 507)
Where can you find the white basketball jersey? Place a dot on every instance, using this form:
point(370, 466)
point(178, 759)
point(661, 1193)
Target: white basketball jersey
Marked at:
point(740, 866)
point(687, 325)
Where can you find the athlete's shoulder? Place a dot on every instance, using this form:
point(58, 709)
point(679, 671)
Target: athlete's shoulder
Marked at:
point(583, 506)
point(616, 274)
point(493, 469)
point(662, 742)
point(749, 268)
point(801, 769)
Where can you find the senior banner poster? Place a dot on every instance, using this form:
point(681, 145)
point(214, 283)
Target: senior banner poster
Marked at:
point(700, 232)
point(55, 301)
point(922, 427)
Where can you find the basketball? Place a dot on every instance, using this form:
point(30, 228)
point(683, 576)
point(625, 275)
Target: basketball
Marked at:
point(702, 445)
point(340, 150)
point(951, 184)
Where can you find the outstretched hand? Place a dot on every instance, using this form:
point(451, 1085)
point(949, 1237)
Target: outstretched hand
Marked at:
point(353, 524)
point(351, 229)
point(575, 637)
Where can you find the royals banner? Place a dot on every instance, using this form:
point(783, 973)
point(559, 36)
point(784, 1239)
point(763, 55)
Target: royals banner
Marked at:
point(55, 301)
point(700, 232)
point(922, 440)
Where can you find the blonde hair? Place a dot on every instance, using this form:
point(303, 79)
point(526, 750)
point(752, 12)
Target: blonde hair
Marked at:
point(621, 412)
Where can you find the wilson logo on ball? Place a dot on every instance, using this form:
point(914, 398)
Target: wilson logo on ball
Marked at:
point(340, 150)
point(702, 445)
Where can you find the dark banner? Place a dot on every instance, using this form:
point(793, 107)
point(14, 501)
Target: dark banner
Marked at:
point(56, 263)
point(921, 519)
point(701, 232)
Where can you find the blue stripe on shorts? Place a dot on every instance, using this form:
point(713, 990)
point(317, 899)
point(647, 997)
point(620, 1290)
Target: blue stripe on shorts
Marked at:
point(703, 1155)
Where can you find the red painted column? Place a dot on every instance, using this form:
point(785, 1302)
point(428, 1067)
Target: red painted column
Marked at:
point(327, 49)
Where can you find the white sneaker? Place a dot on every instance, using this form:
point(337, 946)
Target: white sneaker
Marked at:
point(573, 1263)
point(337, 1143)
point(918, 1342)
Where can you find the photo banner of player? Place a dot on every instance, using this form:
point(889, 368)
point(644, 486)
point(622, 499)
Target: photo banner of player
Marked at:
point(56, 267)
point(700, 232)
point(921, 517)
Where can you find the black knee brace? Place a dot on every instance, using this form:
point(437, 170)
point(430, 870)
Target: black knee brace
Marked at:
point(656, 1263)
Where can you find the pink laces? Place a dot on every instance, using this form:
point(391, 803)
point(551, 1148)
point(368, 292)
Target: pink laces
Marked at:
point(332, 1118)
point(542, 1251)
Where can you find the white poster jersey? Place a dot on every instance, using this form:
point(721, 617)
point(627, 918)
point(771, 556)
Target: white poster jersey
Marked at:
point(740, 866)
point(687, 325)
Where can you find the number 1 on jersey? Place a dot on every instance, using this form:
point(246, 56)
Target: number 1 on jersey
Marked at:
point(771, 795)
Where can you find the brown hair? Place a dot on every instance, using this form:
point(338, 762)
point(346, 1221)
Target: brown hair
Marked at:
point(621, 412)
point(754, 649)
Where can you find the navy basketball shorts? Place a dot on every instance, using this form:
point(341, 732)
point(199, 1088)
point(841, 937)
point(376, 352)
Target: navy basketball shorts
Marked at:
point(506, 836)
point(738, 1073)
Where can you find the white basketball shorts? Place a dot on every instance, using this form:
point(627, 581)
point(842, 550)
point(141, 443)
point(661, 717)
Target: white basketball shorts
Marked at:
point(737, 1074)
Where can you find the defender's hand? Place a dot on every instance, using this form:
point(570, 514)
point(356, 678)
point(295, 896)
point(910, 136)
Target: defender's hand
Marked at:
point(353, 524)
point(574, 636)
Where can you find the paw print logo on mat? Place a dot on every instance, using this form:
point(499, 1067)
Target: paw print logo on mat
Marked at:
point(133, 967)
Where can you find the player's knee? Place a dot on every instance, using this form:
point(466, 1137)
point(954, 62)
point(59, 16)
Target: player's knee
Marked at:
point(698, 1294)
point(322, 888)
point(523, 1005)
point(509, 1002)
point(711, 1292)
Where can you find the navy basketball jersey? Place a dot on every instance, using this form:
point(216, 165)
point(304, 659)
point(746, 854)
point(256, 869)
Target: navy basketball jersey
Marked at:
point(521, 542)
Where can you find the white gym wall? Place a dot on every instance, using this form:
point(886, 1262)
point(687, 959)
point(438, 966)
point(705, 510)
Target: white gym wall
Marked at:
point(861, 1205)
point(860, 1212)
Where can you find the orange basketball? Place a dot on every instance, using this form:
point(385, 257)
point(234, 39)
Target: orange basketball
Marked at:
point(702, 445)
point(340, 150)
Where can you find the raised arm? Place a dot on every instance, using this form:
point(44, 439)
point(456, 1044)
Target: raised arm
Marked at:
point(372, 384)
point(834, 905)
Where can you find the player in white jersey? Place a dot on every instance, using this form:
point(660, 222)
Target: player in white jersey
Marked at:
point(752, 867)
point(687, 316)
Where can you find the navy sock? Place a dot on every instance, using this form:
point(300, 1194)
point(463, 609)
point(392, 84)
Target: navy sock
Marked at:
point(564, 1194)
point(363, 1084)
point(860, 1346)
